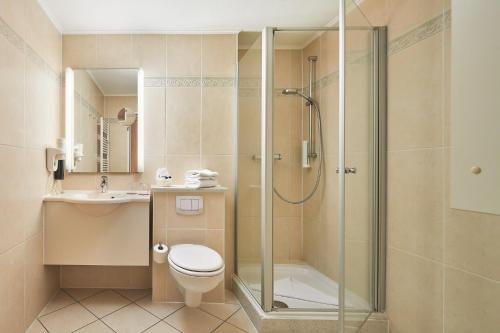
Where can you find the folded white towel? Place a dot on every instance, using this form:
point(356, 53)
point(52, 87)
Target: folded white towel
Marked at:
point(201, 173)
point(200, 183)
point(194, 178)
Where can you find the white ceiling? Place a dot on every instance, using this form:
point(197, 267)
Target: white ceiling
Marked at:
point(115, 82)
point(157, 16)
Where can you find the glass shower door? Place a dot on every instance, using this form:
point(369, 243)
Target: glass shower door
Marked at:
point(248, 217)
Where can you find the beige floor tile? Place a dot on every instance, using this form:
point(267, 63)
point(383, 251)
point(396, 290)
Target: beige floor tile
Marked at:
point(95, 327)
point(104, 303)
point(130, 319)
point(161, 327)
point(67, 319)
point(190, 320)
point(160, 310)
point(59, 301)
point(241, 320)
point(220, 310)
point(134, 294)
point(36, 327)
point(228, 328)
point(82, 293)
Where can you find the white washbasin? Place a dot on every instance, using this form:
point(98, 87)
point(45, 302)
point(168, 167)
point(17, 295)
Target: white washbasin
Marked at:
point(95, 197)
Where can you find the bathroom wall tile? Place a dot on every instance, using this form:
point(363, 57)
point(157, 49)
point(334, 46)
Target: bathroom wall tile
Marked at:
point(472, 242)
point(419, 123)
point(415, 296)
point(183, 55)
point(13, 12)
point(329, 52)
point(358, 268)
point(34, 192)
point(36, 106)
point(12, 293)
point(215, 241)
point(149, 53)
point(183, 236)
point(41, 282)
point(415, 191)
point(312, 49)
point(215, 295)
point(81, 181)
point(140, 277)
point(11, 94)
point(114, 51)
point(405, 15)
point(471, 303)
point(215, 211)
point(183, 120)
point(178, 165)
point(11, 200)
point(160, 209)
point(42, 36)
point(219, 55)
point(154, 121)
point(81, 277)
point(79, 51)
point(249, 125)
point(217, 118)
point(248, 241)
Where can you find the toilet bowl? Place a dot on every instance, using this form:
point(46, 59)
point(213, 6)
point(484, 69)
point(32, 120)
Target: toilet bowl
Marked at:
point(197, 269)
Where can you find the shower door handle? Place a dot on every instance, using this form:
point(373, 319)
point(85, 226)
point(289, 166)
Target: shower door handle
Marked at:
point(348, 170)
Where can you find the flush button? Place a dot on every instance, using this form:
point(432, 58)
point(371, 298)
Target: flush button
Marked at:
point(189, 205)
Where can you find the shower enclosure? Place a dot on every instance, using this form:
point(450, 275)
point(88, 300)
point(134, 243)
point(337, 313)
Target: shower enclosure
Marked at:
point(310, 196)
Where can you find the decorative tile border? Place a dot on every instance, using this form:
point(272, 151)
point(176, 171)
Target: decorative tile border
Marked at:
point(424, 31)
point(189, 82)
point(30, 53)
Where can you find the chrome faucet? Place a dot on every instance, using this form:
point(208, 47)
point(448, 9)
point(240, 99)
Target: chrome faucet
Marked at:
point(104, 184)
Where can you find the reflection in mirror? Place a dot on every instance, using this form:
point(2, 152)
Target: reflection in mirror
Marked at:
point(104, 122)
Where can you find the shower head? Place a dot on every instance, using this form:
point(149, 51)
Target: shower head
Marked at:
point(293, 91)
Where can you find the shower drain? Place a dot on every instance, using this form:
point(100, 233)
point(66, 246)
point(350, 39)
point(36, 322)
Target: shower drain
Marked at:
point(280, 305)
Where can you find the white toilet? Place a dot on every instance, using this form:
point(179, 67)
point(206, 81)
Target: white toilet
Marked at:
point(197, 269)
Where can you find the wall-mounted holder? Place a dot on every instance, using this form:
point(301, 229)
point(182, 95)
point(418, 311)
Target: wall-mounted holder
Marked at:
point(53, 155)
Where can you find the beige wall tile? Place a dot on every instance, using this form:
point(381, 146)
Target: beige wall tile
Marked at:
point(414, 75)
point(11, 199)
point(34, 191)
point(14, 14)
point(41, 282)
point(471, 303)
point(415, 295)
point(79, 51)
point(415, 194)
point(12, 293)
point(183, 55)
point(154, 121)
point(183, 120)
point(178, 165)
point(11, 94)
point(148, 52)
point(472, 242)
point(219, 55)
point(217, 118)
point(114, 51)
point(36, 106)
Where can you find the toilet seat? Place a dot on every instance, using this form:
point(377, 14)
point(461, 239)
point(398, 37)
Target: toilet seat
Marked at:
point(195, 260)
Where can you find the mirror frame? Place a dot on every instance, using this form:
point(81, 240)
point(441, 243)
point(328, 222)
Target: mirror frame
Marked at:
point(69, 115)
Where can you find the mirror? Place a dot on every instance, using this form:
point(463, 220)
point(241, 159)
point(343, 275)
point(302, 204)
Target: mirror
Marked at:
point(104, 120)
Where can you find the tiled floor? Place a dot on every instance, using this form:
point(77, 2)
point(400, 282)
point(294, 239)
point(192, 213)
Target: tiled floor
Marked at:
point(132, 311)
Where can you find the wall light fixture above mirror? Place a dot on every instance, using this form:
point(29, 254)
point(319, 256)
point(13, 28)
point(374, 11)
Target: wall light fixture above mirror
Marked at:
point(104, 120)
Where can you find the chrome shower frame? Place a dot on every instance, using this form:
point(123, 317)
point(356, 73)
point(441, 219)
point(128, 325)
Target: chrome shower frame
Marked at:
point(267, 155)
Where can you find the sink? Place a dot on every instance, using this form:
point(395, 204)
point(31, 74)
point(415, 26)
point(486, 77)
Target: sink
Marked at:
point(97, 198)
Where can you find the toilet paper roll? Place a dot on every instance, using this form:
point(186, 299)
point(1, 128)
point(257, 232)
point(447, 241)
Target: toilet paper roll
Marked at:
point(160, 253)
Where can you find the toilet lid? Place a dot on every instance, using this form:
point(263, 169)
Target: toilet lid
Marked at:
point(197, 258)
